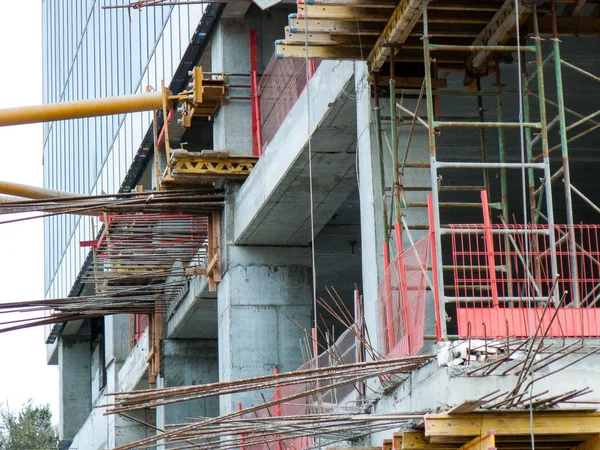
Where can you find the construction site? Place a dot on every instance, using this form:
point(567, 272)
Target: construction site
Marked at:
point(286, 225)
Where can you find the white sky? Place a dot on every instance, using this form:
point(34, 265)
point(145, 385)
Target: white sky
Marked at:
point(23, 370)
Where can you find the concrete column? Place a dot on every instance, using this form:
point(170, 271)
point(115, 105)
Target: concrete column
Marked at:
point(370, 198)
point(75, 402)
point(371, 195)
point(230, 53)
point(187, 362)
point(261, 286)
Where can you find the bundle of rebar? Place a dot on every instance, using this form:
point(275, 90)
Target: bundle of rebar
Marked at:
point(327, 377)
point(138, 268)
point(256, 431)
point(148, 202)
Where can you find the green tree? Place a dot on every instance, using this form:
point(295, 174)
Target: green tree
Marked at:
point(29, 429)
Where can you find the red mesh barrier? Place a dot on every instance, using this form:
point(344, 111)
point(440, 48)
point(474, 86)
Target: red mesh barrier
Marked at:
point(281, 84)
point(343, 351)
point(503, 278)
point(401, 301)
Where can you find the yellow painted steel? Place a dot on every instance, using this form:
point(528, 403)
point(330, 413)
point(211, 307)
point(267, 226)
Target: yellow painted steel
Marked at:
point(31, 192)
point(78, 109)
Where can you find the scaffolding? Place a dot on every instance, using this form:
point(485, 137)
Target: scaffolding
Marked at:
point(524, 257)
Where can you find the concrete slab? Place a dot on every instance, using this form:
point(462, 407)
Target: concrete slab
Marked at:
point(273, 206)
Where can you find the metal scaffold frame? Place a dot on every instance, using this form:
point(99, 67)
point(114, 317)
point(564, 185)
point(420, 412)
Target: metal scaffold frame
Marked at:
point(536, 159)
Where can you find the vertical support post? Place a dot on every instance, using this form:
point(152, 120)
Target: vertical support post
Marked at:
point(243, 435)
point(404, 315)
point(545, 152)
point(166, 127)
point(389, 318)
point(489, 246)
point(484, 158)
point(256, 125)
point(434, 262)
point(394, 139)
point(435, 222)
point(503, 180)
point(277, 408)
point(565, 159)
point(311, 68)
point(386, 237)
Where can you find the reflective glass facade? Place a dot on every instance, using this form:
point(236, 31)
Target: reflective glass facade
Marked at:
point(90, 52)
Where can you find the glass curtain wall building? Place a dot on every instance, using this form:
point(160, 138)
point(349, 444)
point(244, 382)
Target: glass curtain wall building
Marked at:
point(91, 52)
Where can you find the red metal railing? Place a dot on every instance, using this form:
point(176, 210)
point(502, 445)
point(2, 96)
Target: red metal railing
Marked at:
point(503, 278)
point(281, 84)
point(401, 301)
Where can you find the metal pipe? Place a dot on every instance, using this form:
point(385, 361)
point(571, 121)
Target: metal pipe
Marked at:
point(488, 165)
point(435, 215)
point(78, 109)
point(565, 158)
point(545, 153)
point(31, 192)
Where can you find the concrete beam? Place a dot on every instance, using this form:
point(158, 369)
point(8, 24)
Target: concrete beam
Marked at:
point(195, 315)
point(273, 206)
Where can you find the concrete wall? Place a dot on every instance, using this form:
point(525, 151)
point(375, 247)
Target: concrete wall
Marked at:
point(188, 363)
point(75, 396)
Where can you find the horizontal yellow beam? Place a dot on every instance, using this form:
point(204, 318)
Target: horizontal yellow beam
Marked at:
point(509, 424)
point(362, 14)
point(370, 3)
point(333, 26)
point(396, 31)
point(354, 40)
point(333, 52)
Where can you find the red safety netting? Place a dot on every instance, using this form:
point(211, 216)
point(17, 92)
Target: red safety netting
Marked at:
point(281, 84)
point(343, 351)
point(503, 278)
point(401, 301)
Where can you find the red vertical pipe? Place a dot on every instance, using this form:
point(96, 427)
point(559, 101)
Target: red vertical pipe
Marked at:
point(311, 68)
point(405, 313)
point(243, 435)
point(256, 128)
point(389, 319)
point(434, 263)
point(277, 408)
point(489, 246)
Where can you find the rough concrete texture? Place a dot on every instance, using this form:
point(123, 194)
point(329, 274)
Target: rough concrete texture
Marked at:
point(434, 388)
point(230, 53)
point(261, 287)
point(273, 205)
point(75, 396)
point(188, 362)
point(195, 315)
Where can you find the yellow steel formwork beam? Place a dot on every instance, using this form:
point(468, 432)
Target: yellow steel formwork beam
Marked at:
point(396, 31)
point(371, 3)
point(497, 31)
point(591, 444)
point(233, 166)
point(284, 50)
point(361, 13)
point(510, 424)
point(485, 442)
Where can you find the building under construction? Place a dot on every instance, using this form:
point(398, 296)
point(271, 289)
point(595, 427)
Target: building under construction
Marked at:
point(330, 223)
